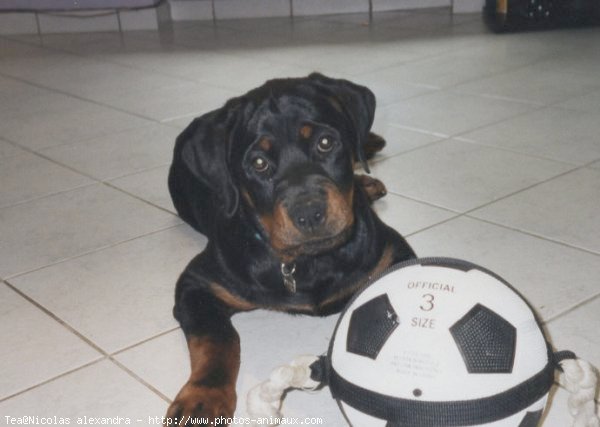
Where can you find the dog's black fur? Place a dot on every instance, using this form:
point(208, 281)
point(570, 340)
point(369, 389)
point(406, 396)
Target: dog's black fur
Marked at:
point(269, 179)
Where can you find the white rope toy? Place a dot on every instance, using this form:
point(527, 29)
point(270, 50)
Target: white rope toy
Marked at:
point(581, 380)
point(264, 400)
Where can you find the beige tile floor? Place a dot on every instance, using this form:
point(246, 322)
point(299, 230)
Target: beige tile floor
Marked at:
point(493, 156)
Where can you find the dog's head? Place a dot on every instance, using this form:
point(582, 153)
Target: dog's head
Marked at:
point(284, 153)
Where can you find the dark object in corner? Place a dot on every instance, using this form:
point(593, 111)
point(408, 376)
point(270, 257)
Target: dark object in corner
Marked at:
point(515, 15)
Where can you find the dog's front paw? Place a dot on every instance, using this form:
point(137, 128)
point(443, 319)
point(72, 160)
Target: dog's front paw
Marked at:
point(374, 188)
point(197, 405)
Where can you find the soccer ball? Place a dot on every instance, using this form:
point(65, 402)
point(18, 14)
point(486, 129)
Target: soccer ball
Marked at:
point(440, 342)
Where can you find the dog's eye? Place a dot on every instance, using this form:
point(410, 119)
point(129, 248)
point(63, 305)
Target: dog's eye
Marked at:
point(325, 144)
point(260, 164)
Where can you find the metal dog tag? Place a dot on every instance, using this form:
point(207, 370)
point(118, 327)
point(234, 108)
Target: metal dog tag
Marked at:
point(287, 271)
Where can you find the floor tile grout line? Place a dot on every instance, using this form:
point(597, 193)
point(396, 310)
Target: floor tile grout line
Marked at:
point(452, 87)
point(574, 169)
point(100, 60)
point(532, 234)
point(571, 309)
point(83, 140)
point(539, 60)
point(469, 213)
point(376, 161)
point(502, 98)
point(458, 215)
point(404, 63)
point(54, 378)
point(536, 108)
point(104, 60)
point(452, 218)
point(139, 198)
point(461, 133)
point(56, 318)
point(425, 202)
point(471, 142)
point(440, 135)
point(78, 97)
point(170, 120)
point(144, 341)
point(90, 140)
point(96, 182)
point(140, 379)
point(106, 182)
point(470, 210)
point(109, 184)
point(103, 354)
point(11, 143)
point(40, 153)
point(514, 151)
point(119, 109)
point(47, 195)
point(92, 251)
point(572, 97)
point(137, 172)
point(415, 61)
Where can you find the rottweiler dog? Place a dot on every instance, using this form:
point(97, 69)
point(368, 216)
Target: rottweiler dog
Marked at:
point(269, 180)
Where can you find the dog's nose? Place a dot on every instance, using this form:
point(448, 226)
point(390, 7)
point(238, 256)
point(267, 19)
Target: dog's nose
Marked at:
point(309, 216)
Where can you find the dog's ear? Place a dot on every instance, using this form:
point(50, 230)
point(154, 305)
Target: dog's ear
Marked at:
point(357, 102)
point(205, 152)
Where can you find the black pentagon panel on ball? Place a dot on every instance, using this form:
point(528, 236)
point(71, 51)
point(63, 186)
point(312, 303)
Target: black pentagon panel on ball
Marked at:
point(531, 419)
point(486, 341)
point(370, 326)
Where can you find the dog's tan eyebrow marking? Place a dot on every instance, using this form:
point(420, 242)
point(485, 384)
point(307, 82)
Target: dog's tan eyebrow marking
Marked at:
point(306, 131)
point(265, 144)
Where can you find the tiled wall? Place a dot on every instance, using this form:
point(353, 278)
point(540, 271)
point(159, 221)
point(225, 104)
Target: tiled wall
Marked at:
point(224, 9)
point(14, 23)
point(27, 23)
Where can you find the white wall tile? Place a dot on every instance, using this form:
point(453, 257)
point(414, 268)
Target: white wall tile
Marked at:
point(185, 10)
point(191, 10)
point(68, 24)
point(17, 23)
point(226, 9)
point(467, 6)
point(324, 7)
point(383, 5)
point(139, 20)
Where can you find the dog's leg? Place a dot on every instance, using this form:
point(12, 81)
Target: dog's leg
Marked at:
point(373, 188)
point(214, 348)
